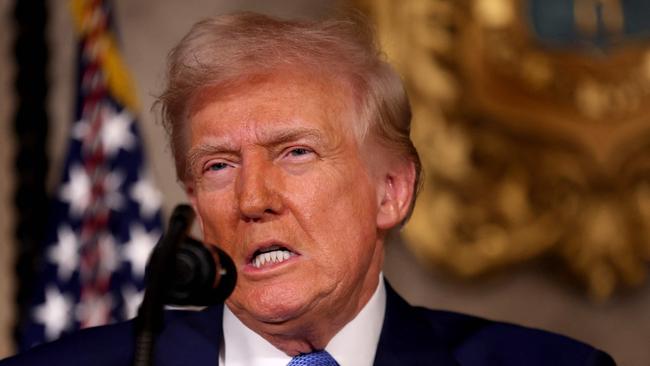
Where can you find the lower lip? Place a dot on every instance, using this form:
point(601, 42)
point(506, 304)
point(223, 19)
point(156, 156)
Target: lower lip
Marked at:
point(250, 268)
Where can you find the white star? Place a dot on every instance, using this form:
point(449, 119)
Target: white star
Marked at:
point(77, 191)
point(132, 300)
point(94, 310)
point(137, 250)
point(147, 196)
point(55, 313)
point(65, 254)
point(116, 131)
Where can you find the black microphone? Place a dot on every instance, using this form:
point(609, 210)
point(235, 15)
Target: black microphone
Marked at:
point(149, 321)
point(200, 276)
point(203, 275)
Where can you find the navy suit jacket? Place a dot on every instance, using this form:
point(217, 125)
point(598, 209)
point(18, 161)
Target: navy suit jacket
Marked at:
point(410, 336)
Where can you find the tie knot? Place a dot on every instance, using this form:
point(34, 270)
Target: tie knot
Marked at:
point(319, 358)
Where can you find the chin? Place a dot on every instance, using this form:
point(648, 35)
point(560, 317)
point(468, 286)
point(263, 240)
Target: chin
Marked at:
point(274, 304)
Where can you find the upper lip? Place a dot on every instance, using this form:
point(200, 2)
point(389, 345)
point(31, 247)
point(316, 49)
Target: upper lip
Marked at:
point(266, 244)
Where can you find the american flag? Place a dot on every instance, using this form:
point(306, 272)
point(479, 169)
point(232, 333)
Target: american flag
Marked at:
point(105, 216)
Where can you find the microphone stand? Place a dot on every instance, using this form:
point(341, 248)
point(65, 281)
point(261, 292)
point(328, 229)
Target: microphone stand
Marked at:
point(149, 321)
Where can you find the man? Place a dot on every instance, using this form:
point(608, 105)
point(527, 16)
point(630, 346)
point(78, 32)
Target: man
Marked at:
point(292, 141)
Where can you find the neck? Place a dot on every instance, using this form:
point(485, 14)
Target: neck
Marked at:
point(314, 330)
point(300, 336)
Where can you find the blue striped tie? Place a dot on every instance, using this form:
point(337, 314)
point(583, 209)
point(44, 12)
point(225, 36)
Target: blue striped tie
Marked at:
point(320, 358)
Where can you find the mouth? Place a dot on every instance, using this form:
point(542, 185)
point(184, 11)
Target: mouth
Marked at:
point(271, 255)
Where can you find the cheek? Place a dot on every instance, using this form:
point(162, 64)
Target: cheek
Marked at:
point(341, 214)
point(215, 218)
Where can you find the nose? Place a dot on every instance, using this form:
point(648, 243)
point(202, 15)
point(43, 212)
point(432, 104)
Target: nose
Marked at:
point(257, 191)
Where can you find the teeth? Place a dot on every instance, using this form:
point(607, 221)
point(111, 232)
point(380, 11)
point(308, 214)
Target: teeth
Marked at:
point(276, 256)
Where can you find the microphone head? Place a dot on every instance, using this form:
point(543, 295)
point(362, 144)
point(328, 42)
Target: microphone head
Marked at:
point(202, 275)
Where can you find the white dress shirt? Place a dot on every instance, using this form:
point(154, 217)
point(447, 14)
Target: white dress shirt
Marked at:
point(354, 345)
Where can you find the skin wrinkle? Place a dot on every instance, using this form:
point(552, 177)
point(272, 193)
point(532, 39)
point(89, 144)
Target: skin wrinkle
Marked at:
point(327, 206)
point(271, 142)
point(224, 89)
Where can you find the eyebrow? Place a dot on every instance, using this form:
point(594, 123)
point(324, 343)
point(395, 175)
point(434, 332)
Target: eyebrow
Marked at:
point(267, 140)
point(275, 138)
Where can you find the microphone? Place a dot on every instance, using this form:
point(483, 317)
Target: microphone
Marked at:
point(203, 275)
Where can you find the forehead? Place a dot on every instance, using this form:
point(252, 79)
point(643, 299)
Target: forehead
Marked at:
point(266, 102)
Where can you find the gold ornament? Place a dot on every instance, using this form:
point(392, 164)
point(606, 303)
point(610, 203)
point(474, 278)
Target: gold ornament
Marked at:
point(529, 150)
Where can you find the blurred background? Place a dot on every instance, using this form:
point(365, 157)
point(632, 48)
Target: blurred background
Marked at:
point(532, 119)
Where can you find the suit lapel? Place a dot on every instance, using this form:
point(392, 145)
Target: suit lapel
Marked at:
point(407, 337)
point(191, 338)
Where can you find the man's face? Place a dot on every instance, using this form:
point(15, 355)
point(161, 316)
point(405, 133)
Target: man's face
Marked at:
point(281, 184)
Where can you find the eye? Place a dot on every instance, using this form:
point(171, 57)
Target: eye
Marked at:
point(299, 151)
point(217, 166)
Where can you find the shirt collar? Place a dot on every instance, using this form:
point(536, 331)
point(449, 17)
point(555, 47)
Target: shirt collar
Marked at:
point(355, 344)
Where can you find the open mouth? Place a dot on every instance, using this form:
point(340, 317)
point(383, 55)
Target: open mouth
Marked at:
point(270, 255)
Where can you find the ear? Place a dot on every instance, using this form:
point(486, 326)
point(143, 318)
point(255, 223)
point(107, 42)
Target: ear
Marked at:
point(190, 191)
point(395, 194)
